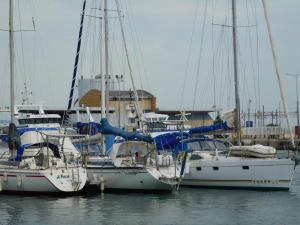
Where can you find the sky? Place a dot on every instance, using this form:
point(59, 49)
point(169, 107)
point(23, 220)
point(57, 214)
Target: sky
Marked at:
point(182, 70)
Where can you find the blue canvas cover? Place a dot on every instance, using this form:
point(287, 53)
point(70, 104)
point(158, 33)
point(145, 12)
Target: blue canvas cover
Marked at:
point(107, 129)
point(104, 127)
point(23, 130)
point(20, 152)
point(168, 141)
point(206, 129)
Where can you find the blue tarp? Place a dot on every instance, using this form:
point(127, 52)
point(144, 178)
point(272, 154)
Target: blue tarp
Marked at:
point(104, 127)
point(107, 129)
point(169, 140)
point(4, 138)
point(54, 148)
point(205, 129)
point(23, 130)
point(20, 152)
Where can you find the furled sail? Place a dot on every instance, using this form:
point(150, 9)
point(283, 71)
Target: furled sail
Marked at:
point(104, 127)
point(210, 128)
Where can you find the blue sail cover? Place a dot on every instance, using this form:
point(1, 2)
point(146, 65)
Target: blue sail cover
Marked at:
point(206, 129)
point(4, 138)
point(106, 128)
point(23, 130)
point(168, 141)
point(20, 152)
point(171, 140)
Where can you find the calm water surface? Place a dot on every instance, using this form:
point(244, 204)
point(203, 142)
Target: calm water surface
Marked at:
point(187, 206)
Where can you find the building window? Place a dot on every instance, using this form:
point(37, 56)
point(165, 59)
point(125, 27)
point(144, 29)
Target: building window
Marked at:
point(215, 168)
point(245, 167)
point(198, 168)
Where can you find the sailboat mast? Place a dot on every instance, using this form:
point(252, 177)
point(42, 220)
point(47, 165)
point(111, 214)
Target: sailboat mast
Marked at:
point(281, 86)
point(236, 77)
point(77, 57)
point(11, 54)
point(104, 58)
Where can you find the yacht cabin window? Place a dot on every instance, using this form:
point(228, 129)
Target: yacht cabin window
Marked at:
point(38, 121)
point(194, 146)
point(220, 145)
point(207, 145)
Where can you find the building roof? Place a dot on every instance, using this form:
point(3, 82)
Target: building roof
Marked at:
point(177, 111)
point(130, 94)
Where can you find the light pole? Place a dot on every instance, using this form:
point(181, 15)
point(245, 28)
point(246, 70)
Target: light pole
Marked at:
point(297, 97)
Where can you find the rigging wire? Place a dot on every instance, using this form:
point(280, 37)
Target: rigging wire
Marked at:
point(257, 57)
point(22, 45)
point(251, 53)
point(33, 73)
point(142, 61)
point(200, 54)
point(131, 29)
point(44, 60)
point(85, 46)
point(187, 65)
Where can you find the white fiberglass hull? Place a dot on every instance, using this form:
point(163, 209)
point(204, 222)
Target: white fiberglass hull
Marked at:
point(134, 178)
point(42, 181)
point(237, 172)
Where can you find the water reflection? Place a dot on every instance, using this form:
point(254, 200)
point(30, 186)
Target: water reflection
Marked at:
point(188, 206)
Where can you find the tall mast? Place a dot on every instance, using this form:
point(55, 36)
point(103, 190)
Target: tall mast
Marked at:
point(104, 72)
point(106, 60)
point(236, 77)
point(76, 58)
point(281, 86)
point(11, 55)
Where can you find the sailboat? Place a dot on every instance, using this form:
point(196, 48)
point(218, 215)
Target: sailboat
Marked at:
point(133, 164)
point(40, 160)
point(211, 164)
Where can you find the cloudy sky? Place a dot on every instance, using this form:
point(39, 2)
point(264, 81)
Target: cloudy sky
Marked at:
point(180, 69)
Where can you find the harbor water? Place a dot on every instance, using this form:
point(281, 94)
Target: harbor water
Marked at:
point(186, 206)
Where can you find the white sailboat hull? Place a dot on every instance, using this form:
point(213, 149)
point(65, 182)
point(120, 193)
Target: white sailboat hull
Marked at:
point(42, 181)
point(144, 179)
point(236, 172)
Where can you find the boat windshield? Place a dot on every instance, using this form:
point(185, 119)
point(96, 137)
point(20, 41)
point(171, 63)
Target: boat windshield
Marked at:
point(38, 120)
point(205, 145)
point(220, 146)
point(194, 146)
